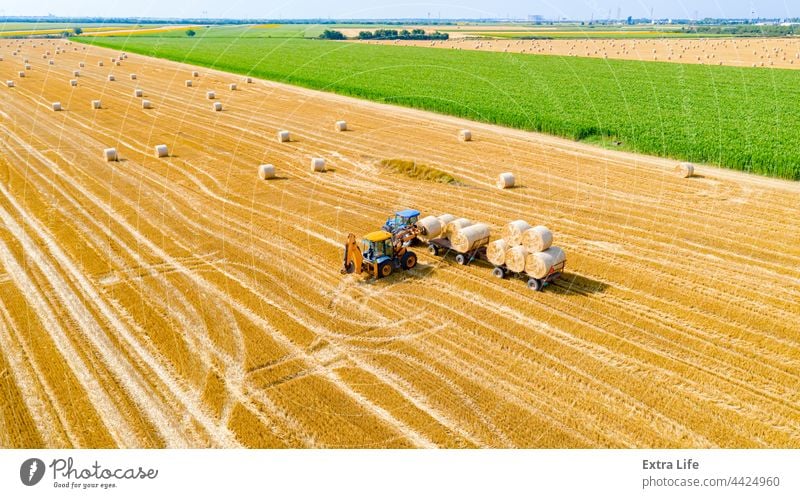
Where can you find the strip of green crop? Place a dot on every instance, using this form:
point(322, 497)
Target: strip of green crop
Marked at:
point(741, 118)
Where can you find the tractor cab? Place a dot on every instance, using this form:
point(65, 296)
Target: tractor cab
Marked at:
point(400, 220)
point(377, 246)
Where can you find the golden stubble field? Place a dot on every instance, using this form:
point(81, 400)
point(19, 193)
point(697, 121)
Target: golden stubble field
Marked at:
point(746, 52)
point(183, 302)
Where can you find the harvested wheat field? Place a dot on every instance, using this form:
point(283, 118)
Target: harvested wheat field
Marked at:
point(750, 52)
point(182, 301)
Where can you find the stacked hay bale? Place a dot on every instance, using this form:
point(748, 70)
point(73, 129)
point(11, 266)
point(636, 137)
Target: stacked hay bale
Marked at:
point(525, 249)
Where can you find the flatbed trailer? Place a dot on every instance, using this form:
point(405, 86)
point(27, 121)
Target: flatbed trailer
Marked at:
point(536, 284)
point(437, 246)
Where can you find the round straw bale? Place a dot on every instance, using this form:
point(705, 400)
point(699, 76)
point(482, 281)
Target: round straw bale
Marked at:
point(515, 258)
point(100, 63)
point(471, 237)
point(341, 126)
point(195, 74)
point(454, 226)
point(146, 104)
point(505, 180)
point(430, 227)
point(210, 95)
point(111, 154)
point(232, 86)
point(138, 93)
point(95, 104)
point(465, 135)
point(117, 63)
point(21, 74)
point(27, 67)
point(539, 264)
point(248, 79)
point(133, 76)
point(56, 106)
point(512, 232)
point(73, 82)
point(10, 83)
point(76, 73)
point(444, 220)
point(217, 106)
point(266, 171)
point(111, 77)
point(283, 136)
point(684, 170)
point(317, 164)
point(496, 252)
point(537, 239)
point(188, 82)
point(51, 62)
point(162, 151)
point(81, 64)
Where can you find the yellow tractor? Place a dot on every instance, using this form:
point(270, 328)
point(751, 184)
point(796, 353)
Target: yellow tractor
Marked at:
point(382, 253)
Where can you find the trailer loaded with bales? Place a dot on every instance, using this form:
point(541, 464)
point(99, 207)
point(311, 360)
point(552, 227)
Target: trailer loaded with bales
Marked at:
point(523, 251)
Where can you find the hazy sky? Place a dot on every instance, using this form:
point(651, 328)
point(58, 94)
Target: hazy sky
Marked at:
point(573, 9)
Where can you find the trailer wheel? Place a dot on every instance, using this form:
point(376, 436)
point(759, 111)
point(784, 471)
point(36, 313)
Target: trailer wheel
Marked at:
point(385, 270)
point(409, 260)
point(433, 250)
point(535, 284)
point(462, 259)
point(498, 272)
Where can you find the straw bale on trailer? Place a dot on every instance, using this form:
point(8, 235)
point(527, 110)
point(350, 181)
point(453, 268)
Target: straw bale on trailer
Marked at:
point(470, 237)
point(537, 239)
point(496, 252)
point(512, 232)
point(538, 264)
point(430, 227)
point(454, 226)
point(515, 259)
point(444, 220)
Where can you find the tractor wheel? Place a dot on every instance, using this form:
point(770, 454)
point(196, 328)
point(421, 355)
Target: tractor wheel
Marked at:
point(350, 267)
point(385, 269)
point(498, 272)
point(409, 260)
point(535, 284)
point(462, 259)
point(433, 250)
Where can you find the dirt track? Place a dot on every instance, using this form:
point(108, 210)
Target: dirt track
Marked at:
point(183, 302)
point(749, 52)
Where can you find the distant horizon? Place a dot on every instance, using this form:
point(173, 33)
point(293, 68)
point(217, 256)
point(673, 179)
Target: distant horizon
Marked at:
point(296, 10)
point(58, 18)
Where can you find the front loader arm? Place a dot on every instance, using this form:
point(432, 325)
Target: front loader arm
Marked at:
point(352, 256)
